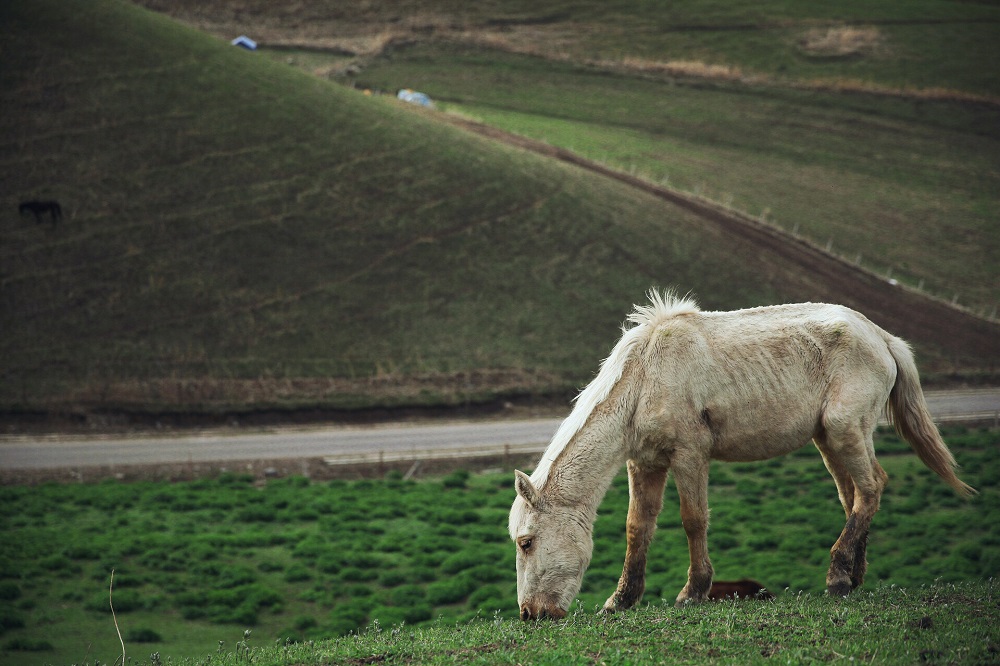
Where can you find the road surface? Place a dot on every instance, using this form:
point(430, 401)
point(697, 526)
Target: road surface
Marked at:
point(357, 444)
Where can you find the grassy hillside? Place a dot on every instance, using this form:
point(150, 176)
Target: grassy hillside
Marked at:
point(906, 187)
point(199, 562)
point(238, 234)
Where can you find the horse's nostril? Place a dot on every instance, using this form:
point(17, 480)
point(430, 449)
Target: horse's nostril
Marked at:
point(525, 614)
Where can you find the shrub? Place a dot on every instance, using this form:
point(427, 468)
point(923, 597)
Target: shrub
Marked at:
point(458, 517)
point(485, 592)
point(59, 565)
point(456, 479)
point(388, 616)
point(164, 559)
point(422, 574)
point(125, 601)
point(9, 591)
point(347, 618)
point(234, 576)
point(270, 565)
point(303, 622)
point(311, 547)
point(417, 613)
point(450, 591)
point(10, 619)
point(723, 541)
point(392, 578)
point(238, 605)
point(231, 479)
point(288, 636)
point(489, 573)
point(406, 595)
point(27, 645)
point(84, 552)
point(359, 590)
point(467, 559)
point(297, 573)
point(359, 575)
point(143, 635)
point(258, 514)
point(304, 514)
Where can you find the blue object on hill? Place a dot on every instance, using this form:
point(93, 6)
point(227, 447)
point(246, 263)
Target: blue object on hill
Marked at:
point(245, 42)
point(414, 97)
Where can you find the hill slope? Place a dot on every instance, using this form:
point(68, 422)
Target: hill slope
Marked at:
point(236, 233)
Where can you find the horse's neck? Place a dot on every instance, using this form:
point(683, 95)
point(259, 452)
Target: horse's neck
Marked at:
point(583, 471)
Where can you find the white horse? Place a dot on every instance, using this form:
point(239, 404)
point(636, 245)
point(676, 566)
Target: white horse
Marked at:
point(683, 387)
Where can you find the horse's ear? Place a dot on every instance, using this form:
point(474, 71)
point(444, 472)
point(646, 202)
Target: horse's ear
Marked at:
point(526, 489)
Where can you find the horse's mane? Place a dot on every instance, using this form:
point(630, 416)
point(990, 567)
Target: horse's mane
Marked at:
point(645, 318)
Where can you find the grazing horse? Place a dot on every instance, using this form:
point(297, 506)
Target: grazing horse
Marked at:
point(39, 208)
point(683, 387)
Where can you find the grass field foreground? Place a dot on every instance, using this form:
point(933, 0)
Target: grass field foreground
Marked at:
point(934, 624)
point(199, 562)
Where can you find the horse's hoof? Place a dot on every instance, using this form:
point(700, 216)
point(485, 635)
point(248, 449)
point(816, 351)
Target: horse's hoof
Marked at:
point(688, 601)
point(839, 589)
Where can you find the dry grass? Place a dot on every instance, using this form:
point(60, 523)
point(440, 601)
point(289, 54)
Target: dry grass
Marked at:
point(841, 41)
point(683, 68)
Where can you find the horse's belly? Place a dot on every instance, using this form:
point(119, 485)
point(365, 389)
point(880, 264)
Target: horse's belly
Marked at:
point(744, 442)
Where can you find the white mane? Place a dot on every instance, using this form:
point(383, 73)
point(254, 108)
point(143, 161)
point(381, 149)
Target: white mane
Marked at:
point(645, 318)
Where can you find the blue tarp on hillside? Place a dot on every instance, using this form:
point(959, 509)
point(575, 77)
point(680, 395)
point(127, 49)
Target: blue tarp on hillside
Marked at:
point(245, 42)
point(414, 97)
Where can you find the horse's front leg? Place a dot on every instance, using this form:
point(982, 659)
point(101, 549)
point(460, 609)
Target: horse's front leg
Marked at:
point(644, 505)
point(691, 477)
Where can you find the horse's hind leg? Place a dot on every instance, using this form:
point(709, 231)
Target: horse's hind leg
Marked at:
point(853, 451)
point(645, 502)
point(691, 477)
point(845, 486)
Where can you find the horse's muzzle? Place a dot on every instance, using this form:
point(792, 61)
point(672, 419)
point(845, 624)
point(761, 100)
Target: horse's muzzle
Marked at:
point(541, 611)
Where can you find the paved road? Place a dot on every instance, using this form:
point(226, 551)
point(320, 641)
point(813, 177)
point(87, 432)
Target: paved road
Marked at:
point(356, 444)
point(343, 444)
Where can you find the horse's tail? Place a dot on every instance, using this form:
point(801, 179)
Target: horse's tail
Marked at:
point(908, 413)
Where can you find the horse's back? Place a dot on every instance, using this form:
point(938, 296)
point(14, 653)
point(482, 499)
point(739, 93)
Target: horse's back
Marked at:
point(759, 382)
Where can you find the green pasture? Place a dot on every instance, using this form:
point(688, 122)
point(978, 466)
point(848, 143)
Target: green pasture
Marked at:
point(196, 563)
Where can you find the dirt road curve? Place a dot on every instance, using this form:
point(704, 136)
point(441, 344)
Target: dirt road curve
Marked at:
point(354, 445)
point(965, 339)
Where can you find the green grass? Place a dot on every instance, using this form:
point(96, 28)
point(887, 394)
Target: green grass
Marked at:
point(199, 562)
point(941, 623)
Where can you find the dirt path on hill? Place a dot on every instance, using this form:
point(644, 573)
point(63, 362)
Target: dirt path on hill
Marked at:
point(964, 338)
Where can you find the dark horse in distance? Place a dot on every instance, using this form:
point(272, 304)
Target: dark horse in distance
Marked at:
point(40, 208)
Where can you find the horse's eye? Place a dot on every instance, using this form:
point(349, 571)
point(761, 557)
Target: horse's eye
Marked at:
point(525, 545)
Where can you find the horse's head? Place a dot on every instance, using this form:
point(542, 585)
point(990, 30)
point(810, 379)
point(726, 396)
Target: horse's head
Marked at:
point(553, 546)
